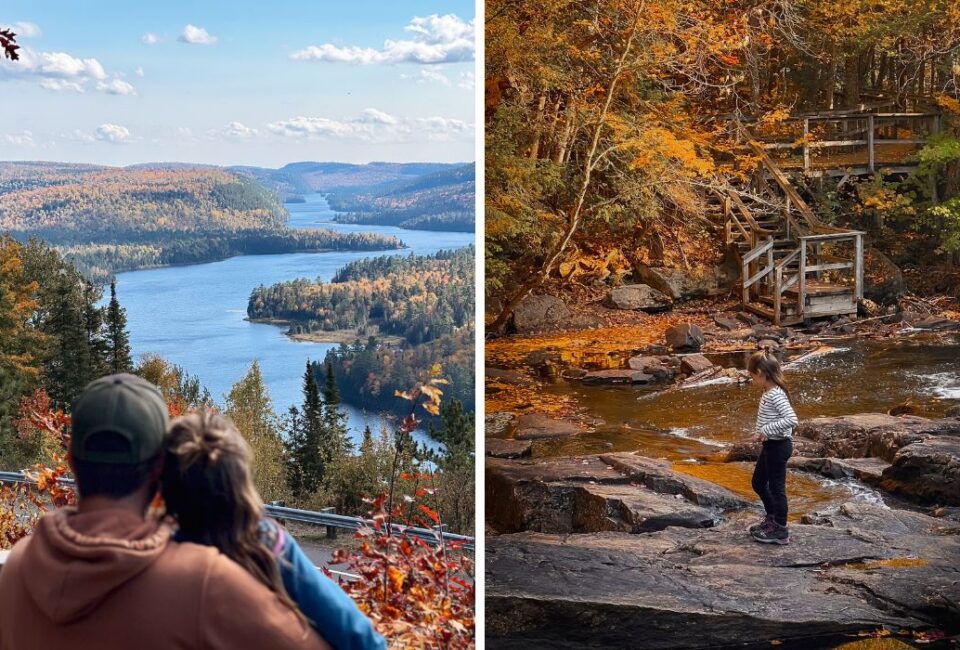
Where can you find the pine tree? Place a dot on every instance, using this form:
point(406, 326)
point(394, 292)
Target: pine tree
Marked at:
point(118, 354)
point(313, 460)
point(366, 447)
point(335, 442)
point(98, 345)
point(295, 444)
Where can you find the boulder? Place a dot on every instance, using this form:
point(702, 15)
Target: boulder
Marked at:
point(680, 284)
point(728, 322)
point(639, 296)
point(694, 363)
point(865, 470)
point(882, 281)
point(927, 472)
point(499, 448)
point(534, 426)
point(748, 450)
point(870, 434)
point(536, 313)
point(706, 588)
point(626, 376)
point(643, 362)
point(685, 336)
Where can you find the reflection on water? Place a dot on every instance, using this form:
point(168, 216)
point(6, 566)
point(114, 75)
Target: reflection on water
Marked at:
point(692, 427)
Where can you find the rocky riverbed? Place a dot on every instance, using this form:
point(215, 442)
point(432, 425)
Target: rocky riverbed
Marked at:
point(618, 486)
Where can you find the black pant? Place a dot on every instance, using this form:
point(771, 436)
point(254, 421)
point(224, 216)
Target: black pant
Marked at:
point(770, 478)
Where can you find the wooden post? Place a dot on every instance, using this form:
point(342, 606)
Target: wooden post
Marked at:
point(745, 275)
point(331, 530)
point(727, 226)
point(769, 261)
point(872, 157)
point(778, 280)
point(806, 144)
point(802, 281)
point(858, 266)
point(818, 256)
point(786, 215)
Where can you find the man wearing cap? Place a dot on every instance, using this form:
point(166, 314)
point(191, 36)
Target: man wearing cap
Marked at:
point(104, 575)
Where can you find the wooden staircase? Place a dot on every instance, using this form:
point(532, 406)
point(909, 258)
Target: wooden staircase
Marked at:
point(794, 267)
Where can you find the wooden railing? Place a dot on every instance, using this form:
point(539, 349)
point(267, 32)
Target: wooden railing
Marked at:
point(861, 142)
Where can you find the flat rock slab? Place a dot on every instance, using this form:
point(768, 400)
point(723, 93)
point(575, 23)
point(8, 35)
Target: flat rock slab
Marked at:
point(871, 434)
point(499, 448)
point(534, 426)
point(694, 363)
point(700, 588)
point(866, 470)
point(620, 492)
point(927, 472)
point(498, 425)
point(638, 296)
point(626, 376)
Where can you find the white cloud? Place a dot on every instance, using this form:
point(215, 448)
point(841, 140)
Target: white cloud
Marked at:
point(138, 72)
point(113, 133)
point(24, 29)
point(60, 84)
point(432, 74)
point(116, 87)
point(467, 80)
point(196, 36)
point(234, 131)
point(150, 39)
point(372, 125)
point(22, 139)
point(435, 39)
point(78, 136)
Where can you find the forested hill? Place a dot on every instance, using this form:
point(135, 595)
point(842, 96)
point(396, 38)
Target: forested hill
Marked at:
point(63, 198)
point(298, 178)
point(107, 219)
point(420, 298)
point(442, 200)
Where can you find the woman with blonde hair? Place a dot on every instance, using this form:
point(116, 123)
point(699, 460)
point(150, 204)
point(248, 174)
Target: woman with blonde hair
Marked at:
point(208, 488)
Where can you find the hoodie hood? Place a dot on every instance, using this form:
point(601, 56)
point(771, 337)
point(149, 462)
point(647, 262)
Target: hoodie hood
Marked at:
point(77, 560)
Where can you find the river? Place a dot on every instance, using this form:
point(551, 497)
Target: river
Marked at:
point(693, 427)
point(194, 316)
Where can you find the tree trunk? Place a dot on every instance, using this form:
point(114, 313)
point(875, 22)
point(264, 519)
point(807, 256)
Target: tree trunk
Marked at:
point(851, 81)
point(576, 213)
point(561, 152)
point(538, 128)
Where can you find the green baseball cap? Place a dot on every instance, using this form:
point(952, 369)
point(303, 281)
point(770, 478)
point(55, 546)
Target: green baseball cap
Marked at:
point(126, 405)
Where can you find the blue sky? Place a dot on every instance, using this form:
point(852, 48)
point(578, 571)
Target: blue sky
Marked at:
point(111, 82)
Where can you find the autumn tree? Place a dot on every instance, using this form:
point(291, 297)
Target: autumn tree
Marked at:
point(250, 408)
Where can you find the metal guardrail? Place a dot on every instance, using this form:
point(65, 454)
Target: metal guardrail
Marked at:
point(328, 519)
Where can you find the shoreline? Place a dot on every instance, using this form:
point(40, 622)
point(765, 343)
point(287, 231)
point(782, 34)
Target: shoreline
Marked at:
point(326, 336)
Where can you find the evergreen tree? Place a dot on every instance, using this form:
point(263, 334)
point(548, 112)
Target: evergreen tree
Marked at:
point(312, 459)
point(118, 352)
point(295, 444)
point(69, 363)
point(366, 446)
point(335, 441)
point(98, 345)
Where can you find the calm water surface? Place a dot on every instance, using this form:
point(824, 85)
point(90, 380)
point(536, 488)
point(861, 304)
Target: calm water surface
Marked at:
point(194, 315)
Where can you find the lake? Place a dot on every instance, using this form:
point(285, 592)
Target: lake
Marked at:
point(194, 315)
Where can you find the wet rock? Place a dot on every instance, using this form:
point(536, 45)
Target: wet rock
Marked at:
point(498, 425)
point(865, 470)
point(764, 331)
point(621, 492)
point(511, 377)
point(748, 318)
point(694, 363)
point(643, 361)
point(617, 377)
point(700, 588)
point(533, 426)
point(728, 322)
point(686, 336)
point(748, 450)
point(872, 519)
point(639, 296)
point(936, 324)
point(870, 434)
point(927, 472)
point(499, 448)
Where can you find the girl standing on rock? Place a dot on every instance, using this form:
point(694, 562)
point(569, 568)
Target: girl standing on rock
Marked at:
point(775, 423)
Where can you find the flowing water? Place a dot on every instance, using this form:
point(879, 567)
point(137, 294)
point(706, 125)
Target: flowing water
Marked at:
point(692, 427)
point(195, 316)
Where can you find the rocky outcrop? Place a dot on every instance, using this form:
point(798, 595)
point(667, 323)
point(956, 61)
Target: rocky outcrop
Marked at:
point(699, 588)
point(639, 296)
point(537, 313)
point(499, 448)
point(685, 337)
point(609, 492)
point(533, 426)
point(865, 470)
point(694, 363)
point(927, 472)
point(870, 434)
point(682, 285)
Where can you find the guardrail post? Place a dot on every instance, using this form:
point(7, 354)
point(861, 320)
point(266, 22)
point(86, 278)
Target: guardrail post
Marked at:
point(870, 150)
point(331, 530)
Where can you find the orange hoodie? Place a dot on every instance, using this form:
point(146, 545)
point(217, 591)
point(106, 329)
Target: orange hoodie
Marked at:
point(110, 579)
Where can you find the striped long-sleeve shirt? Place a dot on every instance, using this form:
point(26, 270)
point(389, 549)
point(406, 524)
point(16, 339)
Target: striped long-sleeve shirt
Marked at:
point(775, 418)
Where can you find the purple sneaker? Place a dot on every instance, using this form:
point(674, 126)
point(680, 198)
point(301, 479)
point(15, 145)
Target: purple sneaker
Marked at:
point(776, 534)
point(763, 524)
